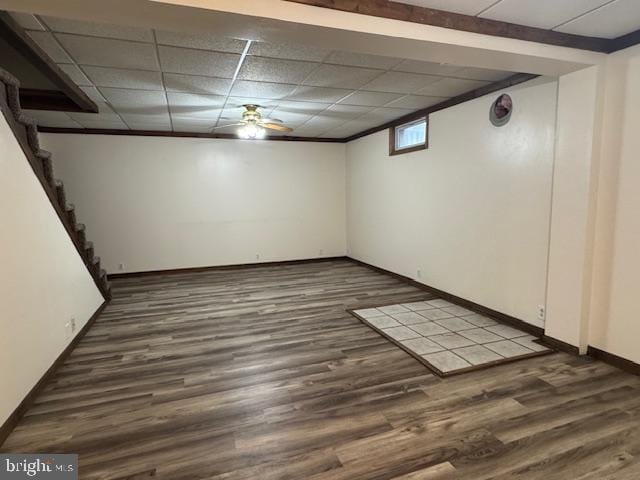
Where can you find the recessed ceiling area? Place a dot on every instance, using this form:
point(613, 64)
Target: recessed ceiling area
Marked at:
point(148, 79)
point(593, 18)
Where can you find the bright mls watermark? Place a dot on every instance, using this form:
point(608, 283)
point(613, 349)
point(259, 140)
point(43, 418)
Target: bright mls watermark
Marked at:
point(51, 466)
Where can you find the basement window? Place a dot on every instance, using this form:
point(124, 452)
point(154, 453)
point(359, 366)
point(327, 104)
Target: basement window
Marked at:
point(408, 137)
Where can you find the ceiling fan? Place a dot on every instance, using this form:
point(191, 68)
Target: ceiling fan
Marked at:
point(253, 126)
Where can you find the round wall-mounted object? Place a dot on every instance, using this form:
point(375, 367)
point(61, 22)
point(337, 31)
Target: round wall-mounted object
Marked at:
point(501, 109)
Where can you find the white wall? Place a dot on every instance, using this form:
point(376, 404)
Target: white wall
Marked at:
point(471, 212)
point(43, 281)
point(161, 203)
point(573, 211)
point(614, 324)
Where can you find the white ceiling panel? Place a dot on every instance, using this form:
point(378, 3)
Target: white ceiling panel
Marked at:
point(247, 88)
point(275, 70)
point(370, 99)
point(52, 119)
point(122, 78)
point(467, 7)
point(323, 123)
point(400, 82)
point(416, 102)
point(306, 108)
point(108, 52)
point(198, 62)
point(66, 25)
point(237, 102)
point(318, 94)
point(47, 43)
point(194, 105)
point(201, 41)
point(175, 82)
point(541, 13)
point(141, 102)
point(27, 21)
point(386, 114)
point(191, 124)
point(75, 74)
point(94, 94)
point(288, 51)
point(610, 21)
point(427, 68)
point(289, 118)
point(482, 74)
point(362, 60)
point(346, 112)
point(450, 87)
point(339, 76)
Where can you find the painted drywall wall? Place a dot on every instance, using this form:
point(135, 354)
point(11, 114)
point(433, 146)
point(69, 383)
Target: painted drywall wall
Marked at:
point(573, 211)
point(162, 203)
point(470, 215)
point(614, 325)
point(43, 281)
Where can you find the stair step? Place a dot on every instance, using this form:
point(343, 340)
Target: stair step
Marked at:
point(89, 250)
point(81, 234)
point(60, 193)
point(47, 165)
point(71, 214)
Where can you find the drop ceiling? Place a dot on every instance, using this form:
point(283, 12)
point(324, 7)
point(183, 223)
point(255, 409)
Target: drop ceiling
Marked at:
point(145, 79)
point(593, 18)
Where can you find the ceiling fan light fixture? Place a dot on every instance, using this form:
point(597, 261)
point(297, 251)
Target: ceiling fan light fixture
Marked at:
point(251, 131)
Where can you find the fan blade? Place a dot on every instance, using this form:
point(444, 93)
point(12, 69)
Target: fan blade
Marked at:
point(275, 126)
point(229, 125)
point(271, 120)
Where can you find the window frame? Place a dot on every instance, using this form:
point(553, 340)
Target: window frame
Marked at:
point(414, 148)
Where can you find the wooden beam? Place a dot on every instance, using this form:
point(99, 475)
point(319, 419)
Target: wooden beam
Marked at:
point(457, 21)
point(15, 35)
point(34, 99)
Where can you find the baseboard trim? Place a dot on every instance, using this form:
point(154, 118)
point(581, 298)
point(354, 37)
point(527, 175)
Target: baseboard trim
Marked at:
point(212, 268)
point(559, 345)
point(614, 360)
point(11, 422)
point(503, 317)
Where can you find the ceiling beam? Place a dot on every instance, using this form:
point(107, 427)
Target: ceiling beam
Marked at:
point(468, 23)
point(76, 99)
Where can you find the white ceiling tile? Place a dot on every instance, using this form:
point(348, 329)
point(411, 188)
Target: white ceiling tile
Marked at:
point(610, 21)
point(192, 124)
point(370, 99)
point(139, 102)
point(231, 115)
point(195, 105)
point(400, 82)
point(482, 74)
point(247, 88)
point(160, 119)
point(362, 60)
point(75, 74)
point(47, 43)
point(427, 68)
point(106, 113)
point(204, 41)
point(309, 132)
point(275, 70)
point(450, 87)
point(466, 7)
point(318, 94)
point(385, 114)
point(93, 94)
point(416, 102)
point(175, 82)
point(340, 76)
point(52, 119)
point(67, 25)
point(541, 13)
point(323, 123)
point(305, 108)
point(288, 51)
point(27, 21)
point(108, 52)
point(122, 78)
point(353, 127)
point(345, 112)
point(237, 102)
point(198, 62)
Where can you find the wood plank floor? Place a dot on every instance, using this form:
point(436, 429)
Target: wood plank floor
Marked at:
point(261, 374)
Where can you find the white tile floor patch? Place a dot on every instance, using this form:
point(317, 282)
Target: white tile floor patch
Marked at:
point(450, 338)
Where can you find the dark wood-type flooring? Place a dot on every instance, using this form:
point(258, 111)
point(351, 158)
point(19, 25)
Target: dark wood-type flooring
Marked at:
point(259, 373)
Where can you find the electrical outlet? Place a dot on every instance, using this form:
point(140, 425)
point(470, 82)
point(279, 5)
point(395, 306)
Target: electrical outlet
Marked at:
point(541, 312)
point(121, 266)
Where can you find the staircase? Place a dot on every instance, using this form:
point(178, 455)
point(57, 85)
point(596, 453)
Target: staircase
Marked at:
point(25, 130)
